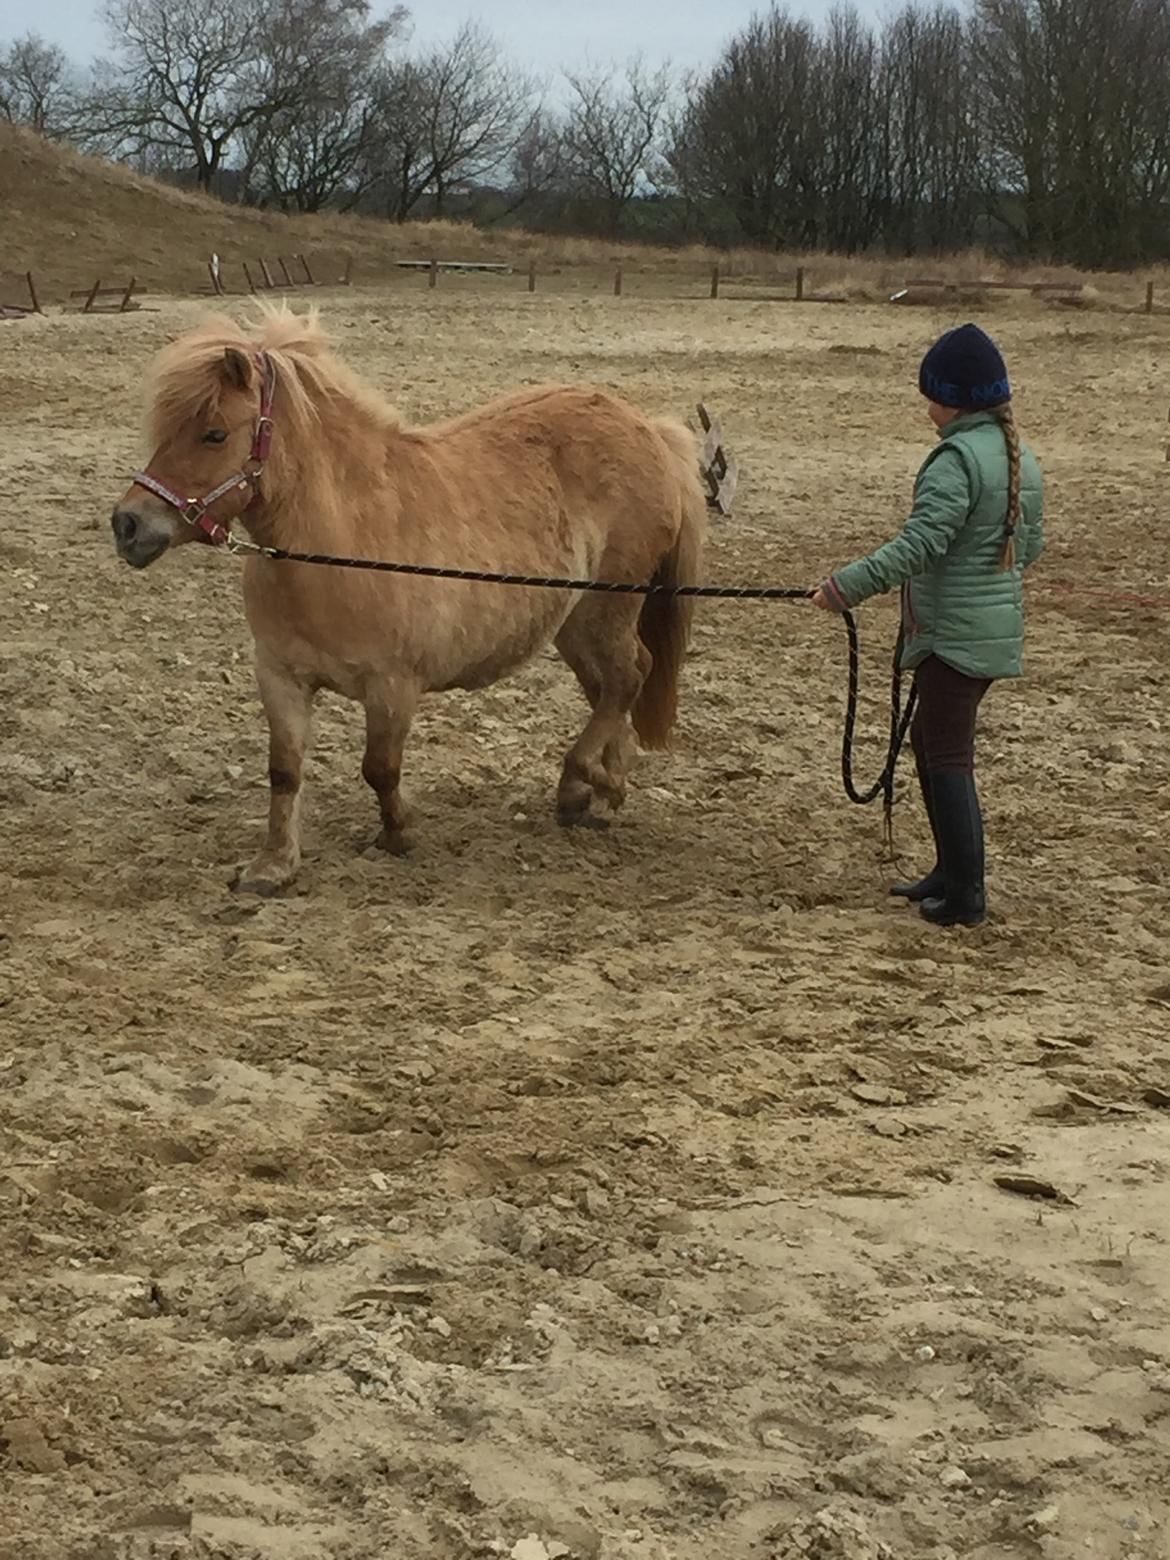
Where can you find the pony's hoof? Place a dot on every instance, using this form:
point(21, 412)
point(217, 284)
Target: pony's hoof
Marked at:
point(574, 799)
point(581, 820)
point(394, 842)
point(264, 888)
point(264, 878)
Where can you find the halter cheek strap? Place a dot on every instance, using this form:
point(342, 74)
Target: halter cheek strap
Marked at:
point(194, 510)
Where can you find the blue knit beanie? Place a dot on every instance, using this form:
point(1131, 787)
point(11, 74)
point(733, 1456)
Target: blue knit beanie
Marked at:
point(965, 369)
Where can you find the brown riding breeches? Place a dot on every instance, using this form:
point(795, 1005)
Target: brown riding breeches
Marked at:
point(943, 731)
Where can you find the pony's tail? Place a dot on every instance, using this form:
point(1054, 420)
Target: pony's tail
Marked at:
point(664, 626)
point(1005, 417)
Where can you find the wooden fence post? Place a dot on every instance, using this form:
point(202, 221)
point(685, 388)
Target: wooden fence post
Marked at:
point(617, 282)
point(532, 276)
point(267, 274)
point(93, 294)
point(714, 281)
point(800, 284)
point(433, 274)
point(1149, 297)
point(216, 284)
point(305, 268)
point(248, 277)
point(32, 293)
point(284, 271)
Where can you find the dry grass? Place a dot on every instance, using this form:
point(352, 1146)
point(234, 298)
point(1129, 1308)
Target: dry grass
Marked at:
point(70, 218)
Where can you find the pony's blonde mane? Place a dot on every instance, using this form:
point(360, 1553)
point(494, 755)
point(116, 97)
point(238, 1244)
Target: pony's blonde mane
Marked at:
point(187, 380)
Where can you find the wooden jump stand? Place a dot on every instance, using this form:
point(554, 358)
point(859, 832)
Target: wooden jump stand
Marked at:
point(1060, 292)
point(108, 300)
point(11, 310)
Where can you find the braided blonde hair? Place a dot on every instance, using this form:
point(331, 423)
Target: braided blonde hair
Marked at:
point(1005, 417)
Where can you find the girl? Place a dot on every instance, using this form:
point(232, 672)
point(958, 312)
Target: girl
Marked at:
point(976, 524)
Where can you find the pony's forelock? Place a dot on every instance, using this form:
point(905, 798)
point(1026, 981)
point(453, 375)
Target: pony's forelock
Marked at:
point(187, 381)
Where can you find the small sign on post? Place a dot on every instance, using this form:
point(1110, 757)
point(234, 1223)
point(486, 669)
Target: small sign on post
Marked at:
point(719, 470)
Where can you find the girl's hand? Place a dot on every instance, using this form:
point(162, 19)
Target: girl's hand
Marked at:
point(820, 599)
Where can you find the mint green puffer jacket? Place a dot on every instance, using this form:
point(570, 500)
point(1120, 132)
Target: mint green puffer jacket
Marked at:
point(958, 603)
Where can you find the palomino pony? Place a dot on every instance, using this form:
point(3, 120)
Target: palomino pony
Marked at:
point(277, 434)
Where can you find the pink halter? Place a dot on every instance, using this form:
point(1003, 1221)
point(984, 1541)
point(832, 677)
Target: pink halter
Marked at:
point(194, 510)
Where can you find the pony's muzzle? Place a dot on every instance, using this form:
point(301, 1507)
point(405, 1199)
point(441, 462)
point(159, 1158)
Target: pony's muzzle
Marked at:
point(138, 537)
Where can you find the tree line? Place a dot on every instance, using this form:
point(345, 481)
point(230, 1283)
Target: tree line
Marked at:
point(1038, 127)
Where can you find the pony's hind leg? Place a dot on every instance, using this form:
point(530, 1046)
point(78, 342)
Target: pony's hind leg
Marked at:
point(288, 703)
point(389, 712)
point(600, 642)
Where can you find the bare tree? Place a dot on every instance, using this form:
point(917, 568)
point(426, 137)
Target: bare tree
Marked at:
point(612, 131)
point(453, 116)
point(397, 165)
point(177, 84)
point(1081, 94)
point(35, 86)
point(850, 164)
point(930, 143)
point(748, 141)
point(318, 64)
point(536, 164)
point(477, 104)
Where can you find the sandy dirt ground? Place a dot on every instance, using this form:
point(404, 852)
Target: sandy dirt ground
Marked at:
point(617, 1196)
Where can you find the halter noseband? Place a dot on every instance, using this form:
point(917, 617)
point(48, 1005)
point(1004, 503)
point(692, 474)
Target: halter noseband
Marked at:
point(194, 510)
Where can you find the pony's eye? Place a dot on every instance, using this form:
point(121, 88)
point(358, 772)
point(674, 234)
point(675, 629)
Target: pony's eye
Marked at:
point(215, 436)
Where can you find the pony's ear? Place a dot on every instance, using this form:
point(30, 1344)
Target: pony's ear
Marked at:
point(237, 368)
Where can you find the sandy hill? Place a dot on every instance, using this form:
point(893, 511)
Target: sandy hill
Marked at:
point(70, 218)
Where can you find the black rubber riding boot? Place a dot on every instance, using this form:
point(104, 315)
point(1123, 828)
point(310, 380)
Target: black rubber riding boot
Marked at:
point(933, 885)
point(959, 824)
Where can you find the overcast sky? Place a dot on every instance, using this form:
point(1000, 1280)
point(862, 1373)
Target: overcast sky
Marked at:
point(542, 34)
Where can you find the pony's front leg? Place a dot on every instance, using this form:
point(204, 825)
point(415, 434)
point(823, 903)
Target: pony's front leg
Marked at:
point(288, 703)
point(389, 712)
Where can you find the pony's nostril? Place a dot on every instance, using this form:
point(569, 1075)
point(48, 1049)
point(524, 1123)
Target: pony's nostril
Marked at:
point(125, 526)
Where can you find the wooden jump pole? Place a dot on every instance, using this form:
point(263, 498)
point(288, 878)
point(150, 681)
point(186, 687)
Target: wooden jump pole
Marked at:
point(714, 281)
point(266, 273)
point(32, 293)
point(800, 284)
point(89, 302)
point(284, 271)
point(248, 277)
point(127, 295)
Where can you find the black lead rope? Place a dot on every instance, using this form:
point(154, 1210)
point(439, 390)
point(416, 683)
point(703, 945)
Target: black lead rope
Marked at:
point(900, 717)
